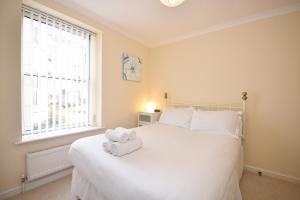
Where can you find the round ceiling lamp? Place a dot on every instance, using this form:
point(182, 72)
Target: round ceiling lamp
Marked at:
point(172, 3)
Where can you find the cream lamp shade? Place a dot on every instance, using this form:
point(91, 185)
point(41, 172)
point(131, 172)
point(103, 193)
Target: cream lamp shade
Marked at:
point(172, 3)
point(150, 107)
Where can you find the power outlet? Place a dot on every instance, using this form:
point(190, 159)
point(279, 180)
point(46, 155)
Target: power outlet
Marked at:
point(23, 178)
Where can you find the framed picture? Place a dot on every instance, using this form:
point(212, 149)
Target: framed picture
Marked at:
point(131, 67)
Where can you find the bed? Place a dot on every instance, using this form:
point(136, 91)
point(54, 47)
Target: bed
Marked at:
point(174, 164)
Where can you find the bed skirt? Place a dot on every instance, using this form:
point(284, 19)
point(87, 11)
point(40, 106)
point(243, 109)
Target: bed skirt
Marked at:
point(82, 188)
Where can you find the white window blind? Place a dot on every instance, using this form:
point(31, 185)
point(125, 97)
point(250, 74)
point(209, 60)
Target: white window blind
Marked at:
point(55, 74)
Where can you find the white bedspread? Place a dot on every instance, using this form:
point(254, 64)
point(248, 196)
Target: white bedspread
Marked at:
point(174, 164)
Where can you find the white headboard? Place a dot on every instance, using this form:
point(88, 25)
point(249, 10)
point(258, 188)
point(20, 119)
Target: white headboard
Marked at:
point(237, 106)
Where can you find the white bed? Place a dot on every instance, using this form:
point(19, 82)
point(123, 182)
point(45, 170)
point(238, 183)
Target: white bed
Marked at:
point(174, 164)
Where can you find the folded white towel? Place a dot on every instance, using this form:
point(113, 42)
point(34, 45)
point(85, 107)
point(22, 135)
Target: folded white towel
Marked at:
point(120, 149)
point(107, 146)
point(131, 133)
point(117, 136)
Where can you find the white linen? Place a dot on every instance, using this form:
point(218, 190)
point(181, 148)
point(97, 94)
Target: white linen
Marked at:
point(117, 136)
point(239, 129)
point(174, 164)
point(222, 121)
point(120, 149)
point(131, 133)
point(83, 189)
point(180, 117)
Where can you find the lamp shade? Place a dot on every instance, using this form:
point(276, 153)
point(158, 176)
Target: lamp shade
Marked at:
point(172, 3)
point(150, 107)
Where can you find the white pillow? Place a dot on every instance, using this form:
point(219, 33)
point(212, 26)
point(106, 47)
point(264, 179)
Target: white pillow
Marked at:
point(225, 121)
point(180, 117)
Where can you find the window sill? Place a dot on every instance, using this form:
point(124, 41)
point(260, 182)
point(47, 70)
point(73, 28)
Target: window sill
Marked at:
point(57, 134)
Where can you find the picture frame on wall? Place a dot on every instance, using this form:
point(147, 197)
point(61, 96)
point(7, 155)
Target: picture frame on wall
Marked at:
point(131, 67)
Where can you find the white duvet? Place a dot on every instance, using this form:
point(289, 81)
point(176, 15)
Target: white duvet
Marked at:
point(174, 164)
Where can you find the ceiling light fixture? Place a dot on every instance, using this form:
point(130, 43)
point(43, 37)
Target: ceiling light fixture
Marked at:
point(172, 3)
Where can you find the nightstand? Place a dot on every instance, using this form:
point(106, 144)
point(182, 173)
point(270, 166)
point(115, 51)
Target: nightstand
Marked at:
point(146, 118)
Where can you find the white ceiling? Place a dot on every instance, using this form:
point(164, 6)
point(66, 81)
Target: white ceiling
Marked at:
point(151, 23)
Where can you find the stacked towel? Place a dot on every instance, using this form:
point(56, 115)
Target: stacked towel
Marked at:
point(117, 136)
point(107, 146)
point(131, 133)
point(120, 149)
point(121, 141)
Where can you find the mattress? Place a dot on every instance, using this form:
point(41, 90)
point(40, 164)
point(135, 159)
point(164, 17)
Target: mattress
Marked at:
point(174, 164)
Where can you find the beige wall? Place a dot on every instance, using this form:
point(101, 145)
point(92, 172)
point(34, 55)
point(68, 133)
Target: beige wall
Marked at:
point(121, 99)
point(260, 57)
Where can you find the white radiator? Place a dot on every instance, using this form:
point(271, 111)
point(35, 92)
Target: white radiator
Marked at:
point(46, 162)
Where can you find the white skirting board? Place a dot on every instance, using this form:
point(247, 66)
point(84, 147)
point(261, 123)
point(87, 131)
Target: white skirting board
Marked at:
point(34, 184)
point(272, 174)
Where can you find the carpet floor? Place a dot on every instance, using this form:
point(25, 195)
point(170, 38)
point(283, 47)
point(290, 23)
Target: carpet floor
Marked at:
point(253, 187)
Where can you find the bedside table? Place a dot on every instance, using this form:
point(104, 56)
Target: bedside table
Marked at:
point(146, 118)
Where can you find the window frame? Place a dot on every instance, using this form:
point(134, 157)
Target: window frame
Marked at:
point(95, 71)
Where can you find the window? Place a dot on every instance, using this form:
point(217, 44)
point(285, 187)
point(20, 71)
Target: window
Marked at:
point(56, 84)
